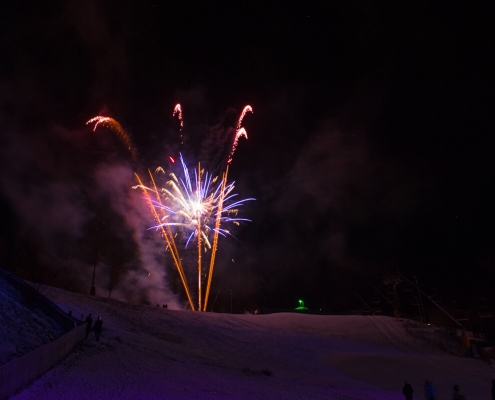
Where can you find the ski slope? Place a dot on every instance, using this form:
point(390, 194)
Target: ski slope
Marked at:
point(151, 353)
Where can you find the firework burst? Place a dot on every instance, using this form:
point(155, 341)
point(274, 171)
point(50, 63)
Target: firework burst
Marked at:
point(194, 202)
point(199, 198)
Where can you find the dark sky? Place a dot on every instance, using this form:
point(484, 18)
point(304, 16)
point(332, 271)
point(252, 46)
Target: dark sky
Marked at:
point(370, 148)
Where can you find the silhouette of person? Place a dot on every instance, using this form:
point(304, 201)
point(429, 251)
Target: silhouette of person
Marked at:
point(429, 391)
point(98, 327)
point(407, 390)
point(458, 395)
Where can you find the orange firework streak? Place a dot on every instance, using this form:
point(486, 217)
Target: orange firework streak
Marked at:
point(114, 126)
point(240, 131)
point(198, 187)
point(164, 233)
point(215, 237)
point(171, 244)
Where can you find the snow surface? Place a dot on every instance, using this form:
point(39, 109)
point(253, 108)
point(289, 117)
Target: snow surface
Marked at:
point(151, 353)
point(36, 329)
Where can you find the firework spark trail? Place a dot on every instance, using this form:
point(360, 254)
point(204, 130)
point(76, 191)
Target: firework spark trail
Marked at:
point(239, 131)
point(199, 212)
point(175, 254)
point(178, 111)
point(171, 242)
point(173, 248)
point(114, 126)
point(215, 238)
point(246, 109)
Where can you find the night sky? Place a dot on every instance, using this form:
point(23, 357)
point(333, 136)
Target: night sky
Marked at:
point(370, 149)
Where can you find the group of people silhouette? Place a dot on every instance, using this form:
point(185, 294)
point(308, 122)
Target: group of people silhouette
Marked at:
point(429, 391)
point(97, 326)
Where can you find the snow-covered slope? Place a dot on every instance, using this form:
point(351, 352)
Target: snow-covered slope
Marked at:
point(152, 353)
point(23, 325)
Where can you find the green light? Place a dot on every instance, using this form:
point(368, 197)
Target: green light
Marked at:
point(301, 305)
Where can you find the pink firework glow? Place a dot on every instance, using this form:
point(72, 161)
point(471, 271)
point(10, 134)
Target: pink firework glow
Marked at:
point(115, 127)
point(239, 131)
point(178, 111)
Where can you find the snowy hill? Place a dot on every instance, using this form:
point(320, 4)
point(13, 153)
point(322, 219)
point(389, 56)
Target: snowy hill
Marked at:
point(152, 353)
point(24, 326)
